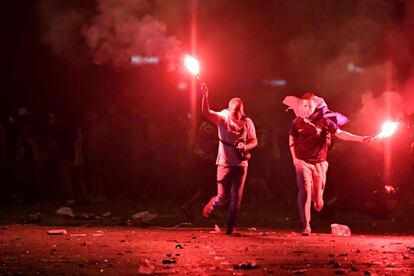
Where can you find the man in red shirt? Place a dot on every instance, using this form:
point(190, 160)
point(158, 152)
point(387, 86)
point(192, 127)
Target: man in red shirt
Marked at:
point(310, 137)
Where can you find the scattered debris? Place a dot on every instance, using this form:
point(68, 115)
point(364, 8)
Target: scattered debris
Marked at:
point(337, 264)
point(57, 232)
point(147, 268)
point(98, 233)
point(143, 218)
point(340, 230)
point(78, 235)
point(65, 211)
point(216, 230)
point(169, 261)
point(246, 265)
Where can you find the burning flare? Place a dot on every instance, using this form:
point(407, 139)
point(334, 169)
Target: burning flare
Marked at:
point(192, 65)
point(388, 129)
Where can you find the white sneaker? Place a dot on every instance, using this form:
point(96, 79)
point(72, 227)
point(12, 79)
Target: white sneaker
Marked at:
point(306, 231)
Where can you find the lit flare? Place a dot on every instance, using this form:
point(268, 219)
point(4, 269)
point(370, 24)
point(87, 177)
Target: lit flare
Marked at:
point(388, 129)
point(192, 65)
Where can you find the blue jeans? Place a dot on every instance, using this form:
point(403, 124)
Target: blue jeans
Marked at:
point(230, 185)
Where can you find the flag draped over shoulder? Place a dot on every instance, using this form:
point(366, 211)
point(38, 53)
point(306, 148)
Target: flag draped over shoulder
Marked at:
point(321, 111)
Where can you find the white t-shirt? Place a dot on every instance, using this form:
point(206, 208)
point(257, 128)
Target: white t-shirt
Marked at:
point(229, 131)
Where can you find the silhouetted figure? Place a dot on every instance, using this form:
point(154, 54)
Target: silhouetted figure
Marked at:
point(203, 168)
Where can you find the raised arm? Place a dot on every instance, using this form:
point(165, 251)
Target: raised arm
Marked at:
point(205, 106)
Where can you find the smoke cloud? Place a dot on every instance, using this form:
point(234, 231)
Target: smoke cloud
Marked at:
point(375, 109)
point(117, 30)
point(125, 28)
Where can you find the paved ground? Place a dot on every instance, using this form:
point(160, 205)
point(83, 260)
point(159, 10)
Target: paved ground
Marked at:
point(130, 250)
point(104, 238)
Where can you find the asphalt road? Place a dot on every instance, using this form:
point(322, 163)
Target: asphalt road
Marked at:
point(29, 249)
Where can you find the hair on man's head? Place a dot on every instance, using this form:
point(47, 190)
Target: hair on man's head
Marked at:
point(308, 96)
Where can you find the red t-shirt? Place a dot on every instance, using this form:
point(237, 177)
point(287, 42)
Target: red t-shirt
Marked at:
point(312, 138)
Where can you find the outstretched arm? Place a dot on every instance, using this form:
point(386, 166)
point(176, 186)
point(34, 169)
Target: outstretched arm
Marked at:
point(205, 106)
point(346, 136)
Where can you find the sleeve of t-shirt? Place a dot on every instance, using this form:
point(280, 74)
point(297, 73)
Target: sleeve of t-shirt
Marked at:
point(293, 130)
point(332, 127)
point(223, 116)
point(251, 130)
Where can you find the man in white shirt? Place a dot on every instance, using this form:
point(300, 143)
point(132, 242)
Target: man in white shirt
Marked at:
point(237, 135)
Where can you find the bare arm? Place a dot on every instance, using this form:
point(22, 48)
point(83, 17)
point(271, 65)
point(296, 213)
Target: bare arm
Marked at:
point(252, 143)
point(205, 106)
point(292, 147)
point(346, 136)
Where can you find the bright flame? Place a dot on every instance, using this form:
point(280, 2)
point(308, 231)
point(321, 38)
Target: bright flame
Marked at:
point(388, 129)
point(192, 65)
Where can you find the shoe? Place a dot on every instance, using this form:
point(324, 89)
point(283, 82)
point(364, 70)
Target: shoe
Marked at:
point(208, 209)
point(229, 231)
point(307, 231)
point(318, 205)
point(232, 232)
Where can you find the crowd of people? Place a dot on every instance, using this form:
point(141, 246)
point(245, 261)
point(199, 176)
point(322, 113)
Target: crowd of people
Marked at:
point(113, 155)
point(61, 157)
point(100, 156)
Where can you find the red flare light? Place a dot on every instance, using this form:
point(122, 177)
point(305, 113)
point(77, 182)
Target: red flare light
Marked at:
point(192, 65)
point(388, 129)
